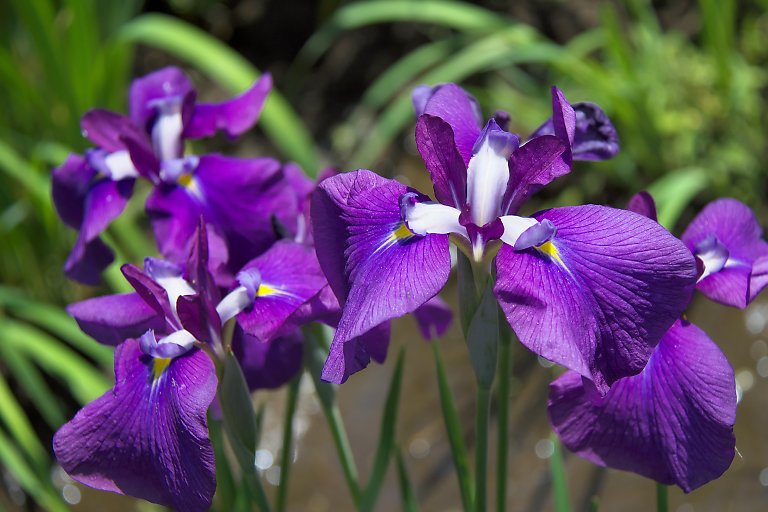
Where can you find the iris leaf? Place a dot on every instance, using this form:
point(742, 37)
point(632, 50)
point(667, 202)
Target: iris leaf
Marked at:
point(406, 489)
point(386, 438)
point(559, 480)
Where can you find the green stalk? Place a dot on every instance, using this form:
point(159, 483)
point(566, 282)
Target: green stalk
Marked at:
point(482, 417)
point(559, 481)
point(662, 498)
point(453, 428)
point(287, 450)
point(505, 374)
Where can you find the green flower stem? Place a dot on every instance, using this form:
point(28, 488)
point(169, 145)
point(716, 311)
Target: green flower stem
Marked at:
point(505, 375)
point(559, 481)
point(453, 428)
point(287, 450)
point(315, 355)
point(482, 417)
point(662, 498)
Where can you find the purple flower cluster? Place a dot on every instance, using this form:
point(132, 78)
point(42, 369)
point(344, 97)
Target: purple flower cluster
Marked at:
point(597, 290)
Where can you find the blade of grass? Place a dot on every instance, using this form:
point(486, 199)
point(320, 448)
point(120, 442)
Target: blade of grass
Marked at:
point(225, 66)
point(386, 438)
point(674, 191)
point(286, 453)
point(20, 428)
point(406, 489)
point(453, 428)
point(559, 480)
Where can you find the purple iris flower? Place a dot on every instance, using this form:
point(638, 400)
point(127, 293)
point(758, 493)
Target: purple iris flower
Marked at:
point(589, 287)
point(674, 421)
point(90, 191)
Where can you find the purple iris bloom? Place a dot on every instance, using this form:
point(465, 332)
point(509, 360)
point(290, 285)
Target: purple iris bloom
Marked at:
point(591, 288)
point(674, 421)
point(90, 191)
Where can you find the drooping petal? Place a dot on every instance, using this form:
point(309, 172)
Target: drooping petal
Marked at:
point(535, 164)
point(672, 423)
point(731, 226)
point(70, 183)
point(268, 364)
point(173, 213)
point(461, 111)
point(147, 437)
point(643, 203)
point(104, 202)
point(597, 297)
point(112, 319)
point(595, 137)
point(290, 276)
point(147, 92)
point(435, 141)
point(234, 117)
point(386, 270)
point(356, 353)
point(434, 317)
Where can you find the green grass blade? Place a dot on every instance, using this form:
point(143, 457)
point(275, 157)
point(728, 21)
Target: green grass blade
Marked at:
point(386, 438)
point(20, 428)
point(453, 427)
point(407, 494)
point(456, 15)
point(674, 191)
point(53, 319)
point(559, 480)
point(286, 453)
point(19, 170)
point(84, 382)
point(228, 68)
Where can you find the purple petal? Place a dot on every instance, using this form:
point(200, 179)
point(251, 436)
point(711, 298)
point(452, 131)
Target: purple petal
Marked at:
point(434, 317)
point(268, 364)
point(163, 84)
point(70, 183)
point(461, 111)
point(88, 260)
point(434, 138)
point(174, 214)
point(290, 276)
point(108, 129)
point(672, 423)
point(112, 319)
point(147, 437)
point(154, 295)
point(563, 122)
point(643, 203)
point(536, 163)
point(736, 228)
point(355, 354)
point(233, 117)
point(388, 271)
point(198, 315)
point(600, 294)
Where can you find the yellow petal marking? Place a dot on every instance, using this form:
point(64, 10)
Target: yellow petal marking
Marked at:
point(265, 289)
point(159, 365)
point(550, 250)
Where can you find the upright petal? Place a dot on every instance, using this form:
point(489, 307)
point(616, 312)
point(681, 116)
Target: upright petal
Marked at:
point(146, 93)
point(435, 140)
point(732, 226)
point(147, 437)
point(597, 297)
point(643, 203)
point(461, 111)
point(107, 129)
point(112, 319)
point(672, 423)
point(234, 117)
point(378, 268)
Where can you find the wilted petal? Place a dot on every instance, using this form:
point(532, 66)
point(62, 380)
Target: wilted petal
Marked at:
point(233, 117)
point(672, 423)
point(147, 437)
point(728, 225)
point(434, 317)
point(268, 364)
point(461, 111)
point(597, 297)
point(389, 271)
point(112, 319)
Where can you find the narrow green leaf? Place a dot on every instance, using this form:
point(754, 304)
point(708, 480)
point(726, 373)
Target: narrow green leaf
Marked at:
point(453, 428)
point(559, 480)
point(26, 175)
point(674, 191)
point(225, 482)
point(236, 405)
point(408, 495)
point(386, 438)
point(286, 453)
point(662, 498)
point(20, 428)
point(84, 382)
point(225, 66)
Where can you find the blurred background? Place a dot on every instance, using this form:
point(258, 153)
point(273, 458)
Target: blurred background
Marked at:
point(684, 81)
